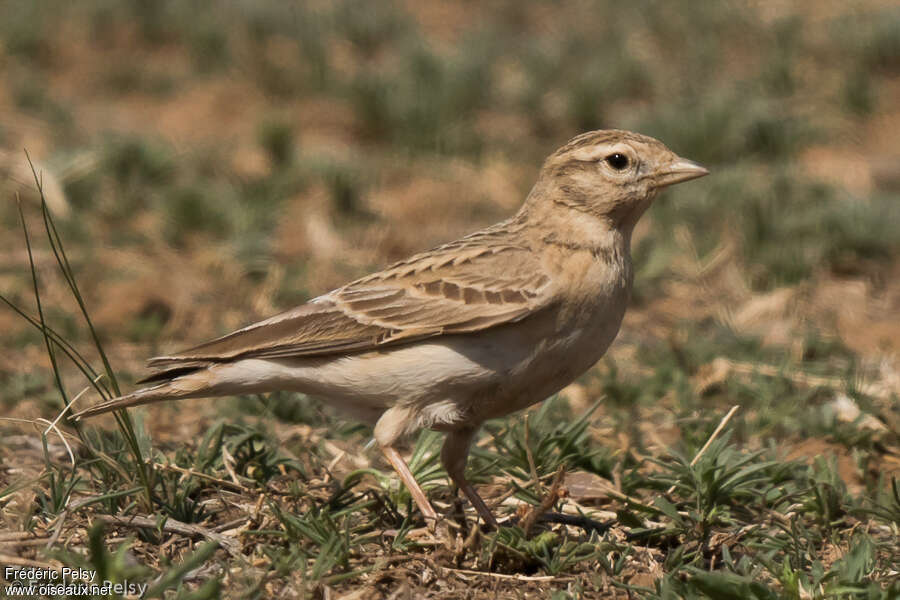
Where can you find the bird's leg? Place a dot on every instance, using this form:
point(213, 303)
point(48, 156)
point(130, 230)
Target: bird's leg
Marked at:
point(411, 484)
point(454, 455)
point(389, 428)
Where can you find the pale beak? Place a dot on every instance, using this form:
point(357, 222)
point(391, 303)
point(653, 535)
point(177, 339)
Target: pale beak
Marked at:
point(679, 170)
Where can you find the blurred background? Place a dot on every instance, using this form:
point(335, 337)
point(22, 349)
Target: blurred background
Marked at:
point(211, 163)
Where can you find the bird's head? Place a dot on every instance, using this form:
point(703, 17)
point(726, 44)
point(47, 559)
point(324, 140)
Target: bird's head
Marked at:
point(612, 174)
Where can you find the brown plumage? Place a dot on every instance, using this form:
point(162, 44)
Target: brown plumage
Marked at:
point(433, 293)
point(470, 330)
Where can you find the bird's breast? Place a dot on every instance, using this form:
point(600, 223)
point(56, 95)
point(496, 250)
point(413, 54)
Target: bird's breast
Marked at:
point(558, 345)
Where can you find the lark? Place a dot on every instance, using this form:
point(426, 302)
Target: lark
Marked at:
point(472, 330)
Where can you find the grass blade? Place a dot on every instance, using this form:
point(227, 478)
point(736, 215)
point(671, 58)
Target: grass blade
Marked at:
point(144, 468)
point(43, 326)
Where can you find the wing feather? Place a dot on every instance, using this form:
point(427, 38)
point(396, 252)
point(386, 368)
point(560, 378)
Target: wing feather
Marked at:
point(462, 287)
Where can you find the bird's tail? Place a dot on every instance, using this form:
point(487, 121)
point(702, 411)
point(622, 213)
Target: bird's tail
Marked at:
point(194, 384)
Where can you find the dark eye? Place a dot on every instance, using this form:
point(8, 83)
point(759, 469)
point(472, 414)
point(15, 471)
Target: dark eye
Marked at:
point(617, 161)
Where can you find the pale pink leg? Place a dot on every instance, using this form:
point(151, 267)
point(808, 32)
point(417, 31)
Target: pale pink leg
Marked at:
point(454, 455)
point(411, 484)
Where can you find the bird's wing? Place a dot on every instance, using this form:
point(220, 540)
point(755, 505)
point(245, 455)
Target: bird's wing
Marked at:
point(458, 288)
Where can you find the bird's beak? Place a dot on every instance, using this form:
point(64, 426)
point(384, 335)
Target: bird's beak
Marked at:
point(679, 170)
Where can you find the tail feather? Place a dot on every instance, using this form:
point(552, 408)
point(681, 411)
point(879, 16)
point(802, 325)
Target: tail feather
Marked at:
point(171, 373)
point(194, 384)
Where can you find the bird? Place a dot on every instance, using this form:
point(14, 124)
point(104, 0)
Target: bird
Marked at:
point(471, 330)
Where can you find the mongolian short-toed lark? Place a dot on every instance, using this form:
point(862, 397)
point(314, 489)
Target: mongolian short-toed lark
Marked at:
point(474, 329)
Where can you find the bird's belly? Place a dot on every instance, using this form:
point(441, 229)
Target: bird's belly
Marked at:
point(367, 384)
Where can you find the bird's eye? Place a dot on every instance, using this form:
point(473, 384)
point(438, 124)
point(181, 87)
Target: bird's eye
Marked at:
point(617, 161)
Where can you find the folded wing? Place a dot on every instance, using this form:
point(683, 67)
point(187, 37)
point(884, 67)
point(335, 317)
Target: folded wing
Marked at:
point(459, 288)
